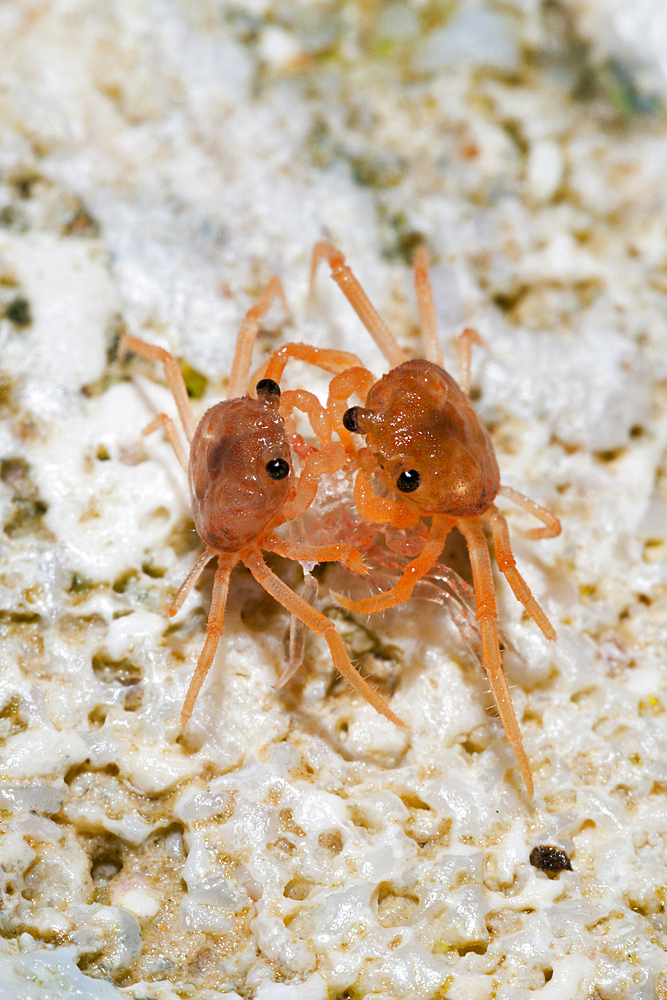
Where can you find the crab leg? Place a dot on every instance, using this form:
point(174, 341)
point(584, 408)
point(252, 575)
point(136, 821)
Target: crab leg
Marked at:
point(297, 634)
point(485, 611)
point(552, 526)
point(189, 582)
point(213, 632)
point(426, 306)
point(173, 374)
point(323, 357)
point(169, 427)
point(341, 387)
point(350, 557)
point(358, 299)
point(319, 624)
point(412, 573)
point(238, 377)
point(507, 566)
point(467, 338)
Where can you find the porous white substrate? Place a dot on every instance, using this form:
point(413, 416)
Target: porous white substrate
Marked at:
point(300, 846)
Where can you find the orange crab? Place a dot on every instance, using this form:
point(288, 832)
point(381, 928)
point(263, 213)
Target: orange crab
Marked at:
point(436, 461)
point(242, 487)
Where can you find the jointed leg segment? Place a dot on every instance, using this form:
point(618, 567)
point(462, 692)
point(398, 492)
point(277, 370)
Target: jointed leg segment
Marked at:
point(238, 378)
point(467, 338)
point(213, 632)
point(380, 510)
point(322, 626)
point(297, 635)
point(412, 573)
point(322, 357)
point(358, 299)
point(354, 380)
point(308, 403)
point(328, 459)
point(485, 612)
point(552, 526)
point(426, 306)
point(350, 557)
point(172, 372)
point(189, 582)
point(507, 566)
point(169, 427)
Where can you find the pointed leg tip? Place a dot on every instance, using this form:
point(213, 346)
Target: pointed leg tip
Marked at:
point(343, 601)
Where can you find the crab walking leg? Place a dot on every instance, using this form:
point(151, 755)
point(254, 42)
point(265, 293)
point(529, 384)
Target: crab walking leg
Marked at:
point(213, 632)
point(463, 618)
point(173, 374)
point(507, 566)
point(412, 573)
point(297, 628)
point(238, 377)
point(322, 626)
point(169, 427)
point(485, 611)
point(297, 634)
point(359, 301)
point(322, 357)
point(467, 338)
point(426, 306)
point(189, 582)
point(456, 584)
point(552, 526)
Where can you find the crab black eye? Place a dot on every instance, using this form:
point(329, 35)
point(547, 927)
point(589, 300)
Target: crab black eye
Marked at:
point(408, 481)
point(267, 389)
point(351, 419)
point(277, 468)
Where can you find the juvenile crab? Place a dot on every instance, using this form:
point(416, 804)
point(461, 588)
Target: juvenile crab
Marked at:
point(242, 487)
point(436, 460)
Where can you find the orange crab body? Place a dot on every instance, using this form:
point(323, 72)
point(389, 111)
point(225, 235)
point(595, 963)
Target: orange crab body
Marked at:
point(234, 499)
point(416, 419)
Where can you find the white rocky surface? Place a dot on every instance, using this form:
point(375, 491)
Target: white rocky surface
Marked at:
point(159, 161)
